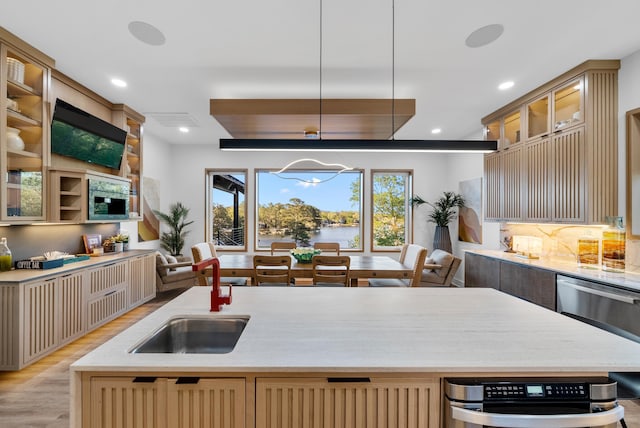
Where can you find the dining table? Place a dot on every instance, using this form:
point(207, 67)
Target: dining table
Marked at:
point(362, 267)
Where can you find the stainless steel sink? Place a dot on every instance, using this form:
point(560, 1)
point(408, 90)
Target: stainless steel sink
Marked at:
point(186, 335)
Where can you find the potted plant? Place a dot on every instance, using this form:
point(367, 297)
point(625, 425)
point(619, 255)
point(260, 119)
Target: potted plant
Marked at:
point(173, 241)
point(444, 211)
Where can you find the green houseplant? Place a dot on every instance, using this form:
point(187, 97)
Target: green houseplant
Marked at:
point(173, 241)
point(442, 213)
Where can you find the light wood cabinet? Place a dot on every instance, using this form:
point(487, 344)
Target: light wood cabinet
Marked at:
point(24, 85)
point(67, 196)
point(142, 279)
point(41, 315)
point(150, 402)
point(293, 402)
point(53, 314)
point(569, 151)
point(107, 297)
point(503, 180)
point(40, 324)
point(131, 168)
point(529, 283)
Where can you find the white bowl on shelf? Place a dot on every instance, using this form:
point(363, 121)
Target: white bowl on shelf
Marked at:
point(14, 142)
point(15, 70)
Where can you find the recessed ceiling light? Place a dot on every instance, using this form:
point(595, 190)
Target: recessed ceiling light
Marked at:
point(484, 35)
point(436, 130)
point(505, 85)
point(119, 83)
point(183, 129)
point(146, 33)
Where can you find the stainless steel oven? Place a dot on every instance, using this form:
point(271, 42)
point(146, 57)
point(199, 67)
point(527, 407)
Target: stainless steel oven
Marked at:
point(531, 403)
point(614, 309)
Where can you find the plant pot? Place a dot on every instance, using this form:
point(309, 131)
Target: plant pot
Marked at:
point(442, 239)
point(117, 247)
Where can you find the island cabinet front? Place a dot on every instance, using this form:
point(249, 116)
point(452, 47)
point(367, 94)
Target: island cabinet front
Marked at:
point(262, 402)
point(347, 402)
point(164, 402)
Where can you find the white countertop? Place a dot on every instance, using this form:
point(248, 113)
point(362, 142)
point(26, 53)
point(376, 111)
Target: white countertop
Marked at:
point(443, 330)
point(629, 280)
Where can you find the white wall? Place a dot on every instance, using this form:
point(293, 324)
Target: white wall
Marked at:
point(157, 164)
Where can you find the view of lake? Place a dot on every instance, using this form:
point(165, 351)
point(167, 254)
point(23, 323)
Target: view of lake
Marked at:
point(345, 235)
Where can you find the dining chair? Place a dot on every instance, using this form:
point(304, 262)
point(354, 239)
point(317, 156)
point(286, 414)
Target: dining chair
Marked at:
point(411, 255)
point(439, 269)
point(330, 271)
point(206, 250)
point(327, 247)
point(272, 270)
point(280, 246)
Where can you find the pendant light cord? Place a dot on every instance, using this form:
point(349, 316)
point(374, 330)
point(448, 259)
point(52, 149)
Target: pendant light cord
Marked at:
point(393, 69)
point(320, 78)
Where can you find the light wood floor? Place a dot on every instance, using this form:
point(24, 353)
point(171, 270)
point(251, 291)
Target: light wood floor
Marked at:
point(38, 395)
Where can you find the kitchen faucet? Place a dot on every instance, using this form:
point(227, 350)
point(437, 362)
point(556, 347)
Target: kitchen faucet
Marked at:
point(217, 299)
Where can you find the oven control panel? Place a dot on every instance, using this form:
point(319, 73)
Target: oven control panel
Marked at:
point(512, 390)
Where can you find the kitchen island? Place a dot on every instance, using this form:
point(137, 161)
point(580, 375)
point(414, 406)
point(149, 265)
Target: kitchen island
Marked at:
point(309, 353)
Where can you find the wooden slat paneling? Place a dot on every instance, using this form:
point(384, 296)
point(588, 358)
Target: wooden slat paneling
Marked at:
point(9, 326)
point(292, 403)
point(107, 308)
point(40, 319)
point(492, 177)
point(537, 162)
point(214, 403)
point(568, 153)
point(121, 402)
point(72, 312)
point(108, 277)
point(602, 156)
point(511, 190)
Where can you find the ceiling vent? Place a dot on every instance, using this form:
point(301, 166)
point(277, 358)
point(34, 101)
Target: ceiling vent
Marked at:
point(173, 120)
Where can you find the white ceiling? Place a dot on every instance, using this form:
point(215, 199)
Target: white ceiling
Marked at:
point(271, 49)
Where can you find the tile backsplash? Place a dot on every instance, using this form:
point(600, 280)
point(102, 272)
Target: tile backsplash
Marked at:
point(560, 241)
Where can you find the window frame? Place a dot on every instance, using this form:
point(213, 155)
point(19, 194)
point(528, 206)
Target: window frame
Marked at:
point(408, 191)
point(209, 173)
point(256, 207)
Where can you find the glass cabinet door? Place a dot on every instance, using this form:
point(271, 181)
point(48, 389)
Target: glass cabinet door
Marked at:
point(567, 105)
point(512, 129)
point(23, 137)
point(538, 117)
point(493, 131)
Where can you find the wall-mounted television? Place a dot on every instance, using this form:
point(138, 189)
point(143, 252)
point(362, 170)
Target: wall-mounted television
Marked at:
point(80, 135)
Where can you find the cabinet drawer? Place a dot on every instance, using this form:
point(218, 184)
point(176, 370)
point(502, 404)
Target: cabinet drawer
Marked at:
point(107, 307)
point(107, 278)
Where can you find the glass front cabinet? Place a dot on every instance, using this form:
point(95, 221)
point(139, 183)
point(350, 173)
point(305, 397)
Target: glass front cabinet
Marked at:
point(566, 150)
point(24, 81)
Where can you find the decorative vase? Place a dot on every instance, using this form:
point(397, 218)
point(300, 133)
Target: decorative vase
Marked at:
point(14, 142)
point(117, 247)
point(442, 239)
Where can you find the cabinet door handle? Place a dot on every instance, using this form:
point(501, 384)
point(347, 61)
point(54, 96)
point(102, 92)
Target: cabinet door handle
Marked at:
point(187, 380)
point(348, 379)
point(110, 293)
point(144, 379)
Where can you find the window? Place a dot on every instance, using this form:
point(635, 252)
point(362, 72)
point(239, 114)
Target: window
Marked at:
point(391, 208)
point(226, 208)
point(308, 206)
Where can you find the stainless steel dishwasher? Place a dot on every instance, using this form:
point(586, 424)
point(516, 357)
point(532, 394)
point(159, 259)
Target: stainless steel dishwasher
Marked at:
point(611, 308)
point(531, 403)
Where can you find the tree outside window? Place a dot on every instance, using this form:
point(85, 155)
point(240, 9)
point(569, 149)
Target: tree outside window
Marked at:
point(391, 192)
